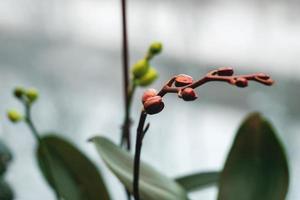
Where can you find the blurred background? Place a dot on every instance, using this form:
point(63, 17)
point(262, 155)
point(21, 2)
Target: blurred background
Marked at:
point(71, 51)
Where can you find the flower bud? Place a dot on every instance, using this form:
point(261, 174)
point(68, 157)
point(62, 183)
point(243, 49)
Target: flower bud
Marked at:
point(19, 92)
point(188, 94)
point(183, 80)
point(14, 116)
point(148, 78)
point(148, 93)
point(32, 94)
point(225, 71)
point(263, 76)
point(155, 48)
point(241, 82)
point(154, 105)
point(140, 68)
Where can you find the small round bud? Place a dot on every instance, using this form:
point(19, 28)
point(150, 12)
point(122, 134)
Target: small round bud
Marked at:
point(225, 71)
point(19, 92)
point(148, 93)
point(263, 76)
point(183, 80)
point(148, 78)
point(14, 116)
point(241, 82)
point(155, 48)
point(154, 105)
point(188, 94)
point(140, 68)
point(32, 94)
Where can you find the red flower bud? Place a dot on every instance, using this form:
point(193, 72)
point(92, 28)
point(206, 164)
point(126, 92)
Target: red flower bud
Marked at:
point(183, 80)
point(241, 82)
point(225, 71)
point(154, 105)
point(188, 94)
point(148, 93)
point(263, 76)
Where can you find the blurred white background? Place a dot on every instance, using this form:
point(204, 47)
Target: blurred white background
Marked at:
point(71, 51)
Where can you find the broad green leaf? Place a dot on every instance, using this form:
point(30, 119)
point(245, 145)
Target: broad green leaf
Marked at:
point(5, 157)
point(199, 180)
point(256, 167)
point(6, 192)
point(70, 172)
point(153, 185)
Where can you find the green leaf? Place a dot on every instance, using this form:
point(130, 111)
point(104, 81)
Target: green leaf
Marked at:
point(6, 192)
point(199, 180)
point(153, 185)
point(75, 176)
point(256, 167)
point(5, 157)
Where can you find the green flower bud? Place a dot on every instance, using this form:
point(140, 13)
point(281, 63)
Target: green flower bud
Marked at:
point(148, 78)
point(14, 116)
point(155, 48)
point(19, 92)
point(140, 68)
point(32, 94)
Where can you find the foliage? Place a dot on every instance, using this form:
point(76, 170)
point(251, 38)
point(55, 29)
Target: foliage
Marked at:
point(6, 192)
point(74, 175)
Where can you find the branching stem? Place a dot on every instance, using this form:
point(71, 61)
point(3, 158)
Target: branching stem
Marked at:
point(222, 74)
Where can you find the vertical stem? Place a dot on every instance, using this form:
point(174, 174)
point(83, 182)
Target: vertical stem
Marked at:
point(137, 155)
point(127, 121)
point(126, 125)
point(35, 133)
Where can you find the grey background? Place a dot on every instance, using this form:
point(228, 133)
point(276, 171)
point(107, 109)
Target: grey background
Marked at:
point(70, 51)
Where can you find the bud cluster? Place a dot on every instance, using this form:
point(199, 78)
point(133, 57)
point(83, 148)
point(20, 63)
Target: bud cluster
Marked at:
point(26, 96)
point(144, 74)
point(29, 95)
point(184, 86)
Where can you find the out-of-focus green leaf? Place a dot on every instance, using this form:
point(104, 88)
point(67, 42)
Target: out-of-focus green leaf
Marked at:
point(6, 192)
point(198, 181)
point(75, 176)
point(153, 185)
point(256, 168)
point(5, 157)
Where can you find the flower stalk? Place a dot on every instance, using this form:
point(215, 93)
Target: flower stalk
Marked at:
point(184, 86)
point(27, 98)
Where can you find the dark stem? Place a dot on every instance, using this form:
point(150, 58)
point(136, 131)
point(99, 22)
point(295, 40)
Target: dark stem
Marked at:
point(35, 133)
point(138, 147)
point(126, 125)
point(127, 120)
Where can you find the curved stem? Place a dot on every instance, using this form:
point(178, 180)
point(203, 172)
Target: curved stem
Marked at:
point(35, 133)
point(137, 155)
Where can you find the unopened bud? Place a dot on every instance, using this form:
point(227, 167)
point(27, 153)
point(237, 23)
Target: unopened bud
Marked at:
point(140, 68)
point(154, 105)
point(241, 82)
point(148, 78)
point(148, 93)
point(183, 80)
point(155, 48)
point(14, 116)
point(19, 92)
point(32, 94)
point(225, 71)
point(263, 76)
point(188, 94)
